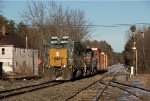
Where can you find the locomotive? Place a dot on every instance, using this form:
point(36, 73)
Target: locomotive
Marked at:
point(66, 59)
point(90, 61)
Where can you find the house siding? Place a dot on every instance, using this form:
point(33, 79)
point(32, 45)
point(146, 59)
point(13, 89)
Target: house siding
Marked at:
point(25, 61)
point(7, 57)
point(19, 60)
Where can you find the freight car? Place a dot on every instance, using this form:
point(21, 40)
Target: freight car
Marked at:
point(64, 59)
point(97, 53)
point(104, 61)
point(101, 60)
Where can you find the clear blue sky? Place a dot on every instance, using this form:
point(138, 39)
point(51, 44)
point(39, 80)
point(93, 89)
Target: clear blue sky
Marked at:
point(98, 13)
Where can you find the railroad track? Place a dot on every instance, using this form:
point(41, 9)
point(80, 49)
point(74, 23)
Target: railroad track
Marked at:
point(132, 90)
point(106, 85)
point(120, 86)
point(29, 88)
point(85, 88)
point(89, 91)
point(93, 95)
point(127, 88)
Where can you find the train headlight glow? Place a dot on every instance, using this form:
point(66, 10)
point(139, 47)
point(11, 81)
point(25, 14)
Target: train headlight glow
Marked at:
point(64, 66)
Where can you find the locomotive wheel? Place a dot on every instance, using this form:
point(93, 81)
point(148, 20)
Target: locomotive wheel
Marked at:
point(79, 72)
point(91, 70)
point(95, 70)
point(88, 72)
point(74, 74)
point(82, 71)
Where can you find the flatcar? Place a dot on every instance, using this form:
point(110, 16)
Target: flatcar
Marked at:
point(64, 59)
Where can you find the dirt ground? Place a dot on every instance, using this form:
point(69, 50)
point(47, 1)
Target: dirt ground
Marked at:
point(144, 79)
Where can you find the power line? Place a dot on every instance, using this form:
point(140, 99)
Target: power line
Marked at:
point(90, 25)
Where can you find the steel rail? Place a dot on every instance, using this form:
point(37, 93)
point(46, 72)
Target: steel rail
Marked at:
point(21, 90)
point(89, 85)
point(124, 89)
point(131, 86)
point(8, 90)
point(100, 94)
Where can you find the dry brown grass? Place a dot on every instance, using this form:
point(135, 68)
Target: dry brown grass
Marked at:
point(145, 79)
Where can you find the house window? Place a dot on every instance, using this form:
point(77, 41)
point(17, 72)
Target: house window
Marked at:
point(3, 51)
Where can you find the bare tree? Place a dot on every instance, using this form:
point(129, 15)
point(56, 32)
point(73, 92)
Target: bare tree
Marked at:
point(52, 19)
point(35, 17)
point(68, 22)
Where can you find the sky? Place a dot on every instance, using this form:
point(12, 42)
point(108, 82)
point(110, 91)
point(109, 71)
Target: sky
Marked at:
point(98, 12)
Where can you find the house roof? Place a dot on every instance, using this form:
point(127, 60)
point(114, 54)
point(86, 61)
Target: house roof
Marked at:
point(12, 39)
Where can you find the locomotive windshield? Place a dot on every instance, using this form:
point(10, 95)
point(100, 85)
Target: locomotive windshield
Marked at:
point(59, 41)
point(53, 41)
point(63, 41)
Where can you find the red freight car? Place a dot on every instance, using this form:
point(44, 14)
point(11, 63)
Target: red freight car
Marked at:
point(97, 53)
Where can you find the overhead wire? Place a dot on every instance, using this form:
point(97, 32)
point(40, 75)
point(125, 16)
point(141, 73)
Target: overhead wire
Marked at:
point(89, 25)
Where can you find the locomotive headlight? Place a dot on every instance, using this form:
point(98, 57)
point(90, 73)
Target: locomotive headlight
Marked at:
point(64, 66)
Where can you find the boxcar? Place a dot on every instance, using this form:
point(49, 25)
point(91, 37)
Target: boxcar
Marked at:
point(104, 61)
point(97, 53)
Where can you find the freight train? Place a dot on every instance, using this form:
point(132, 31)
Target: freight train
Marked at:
point(66, 59)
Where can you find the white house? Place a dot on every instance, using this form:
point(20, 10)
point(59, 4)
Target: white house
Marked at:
point(16, 58)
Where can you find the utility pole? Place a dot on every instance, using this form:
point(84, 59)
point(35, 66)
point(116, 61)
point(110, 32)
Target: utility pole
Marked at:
point(27, 50)
point(133, 29)
point(142, 33)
